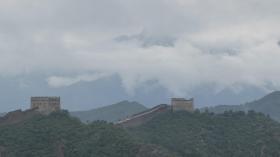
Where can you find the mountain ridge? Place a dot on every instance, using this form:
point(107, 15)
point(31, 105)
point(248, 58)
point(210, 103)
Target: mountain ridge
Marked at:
point(110, 113)
point(236, 134)
point(169, 134)
point(268, 104)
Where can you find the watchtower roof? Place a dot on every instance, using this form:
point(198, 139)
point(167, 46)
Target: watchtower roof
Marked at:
point(44, 98)
point(181, 99)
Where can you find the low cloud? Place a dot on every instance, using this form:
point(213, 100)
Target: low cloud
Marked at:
point(180, 45)
point(62, 81)
point(145, 40)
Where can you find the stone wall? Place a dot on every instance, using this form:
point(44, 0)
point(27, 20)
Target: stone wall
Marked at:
point(144, 116)
point(17, 116)
point(181, 104)
point(45, 105)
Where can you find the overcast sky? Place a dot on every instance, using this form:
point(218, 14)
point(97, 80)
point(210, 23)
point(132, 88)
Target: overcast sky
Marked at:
point(179, 45)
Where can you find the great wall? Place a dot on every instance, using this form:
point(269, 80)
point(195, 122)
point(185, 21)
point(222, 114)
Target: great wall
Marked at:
point(17, 116)
point(140, 118)
point(38, 105)
point(47, 105)
point(177, 104)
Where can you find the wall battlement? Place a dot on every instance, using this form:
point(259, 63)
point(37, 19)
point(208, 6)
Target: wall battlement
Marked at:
point(178, 104)
point(142, 117)
point(45, 105)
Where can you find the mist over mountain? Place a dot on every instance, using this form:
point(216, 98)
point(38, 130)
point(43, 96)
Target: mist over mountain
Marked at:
point(16, 93)
point(76, 59)
point(108, 51)
point(269, 104)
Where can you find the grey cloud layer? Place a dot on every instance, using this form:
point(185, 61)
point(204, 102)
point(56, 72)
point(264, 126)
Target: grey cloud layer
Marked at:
point(190, 42)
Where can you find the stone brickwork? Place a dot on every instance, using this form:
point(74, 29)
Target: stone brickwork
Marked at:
point(181, 104)
point(177, 104)
point(45, 105)
point(144, 116)
point(17, 116)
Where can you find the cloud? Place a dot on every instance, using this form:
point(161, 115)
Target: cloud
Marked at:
point(59, 81)
point(180, 45)
point(145, 40)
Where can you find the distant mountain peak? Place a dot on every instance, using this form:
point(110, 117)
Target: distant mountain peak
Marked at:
point(269, 104)
point(275, 93)
point(111, 113)
point(127, 101)
point(124, 101)
point(271, 96)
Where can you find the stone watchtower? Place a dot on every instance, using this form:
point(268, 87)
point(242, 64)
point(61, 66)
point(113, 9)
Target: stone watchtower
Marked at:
point(179, 104)
point(45, 105)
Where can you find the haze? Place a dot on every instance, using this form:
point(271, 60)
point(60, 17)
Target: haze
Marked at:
point(94, 53)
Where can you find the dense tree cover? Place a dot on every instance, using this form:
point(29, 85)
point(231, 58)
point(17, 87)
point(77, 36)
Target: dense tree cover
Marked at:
point(232, 134)
point(170, 134)
point(43, 136)
point(269, 104)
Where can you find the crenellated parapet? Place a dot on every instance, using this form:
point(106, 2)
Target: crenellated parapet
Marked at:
point(181, 104)
point(45, 105)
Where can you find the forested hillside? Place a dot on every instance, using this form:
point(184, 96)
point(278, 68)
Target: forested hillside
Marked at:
point(58, 133)
point(269, 104)
point(232, 134)
point(169, 134)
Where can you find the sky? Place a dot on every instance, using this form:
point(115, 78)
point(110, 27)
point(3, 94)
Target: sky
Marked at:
point(94, 53)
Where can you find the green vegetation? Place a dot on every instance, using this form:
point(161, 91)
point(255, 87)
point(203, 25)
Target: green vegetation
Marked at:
point(42, 136)
point(269, 104)
point(110, 113)
point(232, 134)
point(170, 134)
